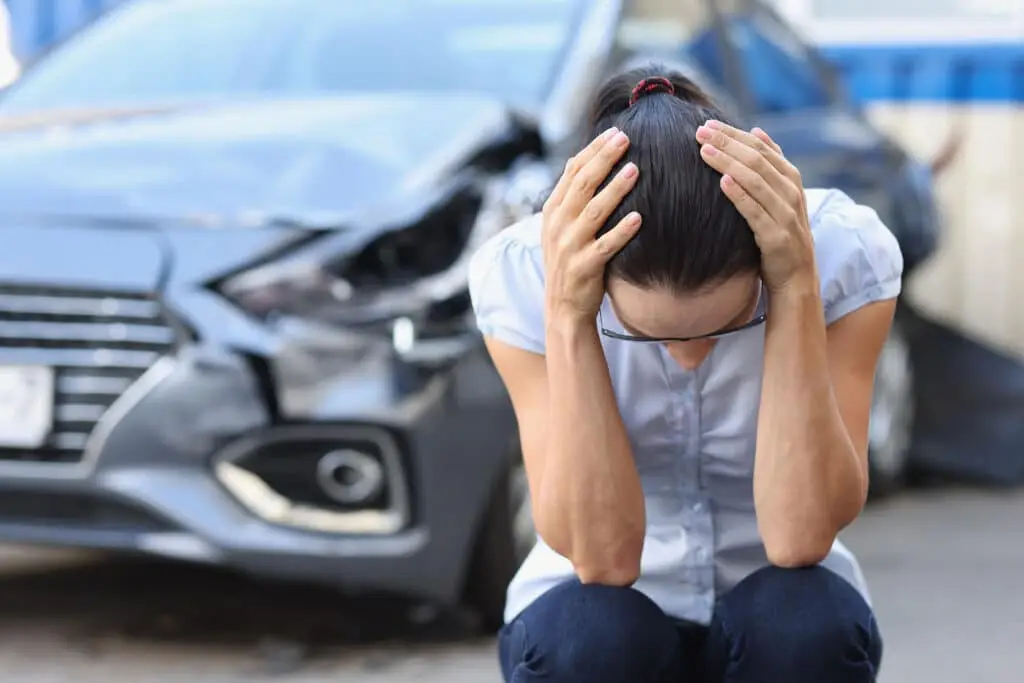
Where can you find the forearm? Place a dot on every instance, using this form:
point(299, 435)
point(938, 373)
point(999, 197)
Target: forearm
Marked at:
point(808, 479)
point(591, 505)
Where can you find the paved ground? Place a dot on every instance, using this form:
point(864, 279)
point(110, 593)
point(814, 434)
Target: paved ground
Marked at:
point(945, 570)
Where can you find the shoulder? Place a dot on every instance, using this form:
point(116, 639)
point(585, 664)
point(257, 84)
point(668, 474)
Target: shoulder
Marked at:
point(506, 285)
point(859, 259)
point(520, 239)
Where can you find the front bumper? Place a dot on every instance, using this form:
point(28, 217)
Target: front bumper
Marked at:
point(146, 480)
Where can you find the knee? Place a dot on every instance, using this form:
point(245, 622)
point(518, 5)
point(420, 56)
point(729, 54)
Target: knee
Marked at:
point(801, 616)
point(590, 633)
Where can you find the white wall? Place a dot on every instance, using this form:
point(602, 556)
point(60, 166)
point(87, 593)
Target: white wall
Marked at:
point(976, 280)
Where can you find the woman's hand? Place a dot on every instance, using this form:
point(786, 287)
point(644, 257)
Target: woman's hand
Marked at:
point(768, 192)
point(574, 260)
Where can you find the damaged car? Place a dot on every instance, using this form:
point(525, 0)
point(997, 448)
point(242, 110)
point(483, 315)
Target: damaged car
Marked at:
point(234, 322)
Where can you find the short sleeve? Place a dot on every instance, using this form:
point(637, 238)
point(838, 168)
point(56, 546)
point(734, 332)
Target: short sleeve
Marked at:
point(859, 259)
point(506, 285)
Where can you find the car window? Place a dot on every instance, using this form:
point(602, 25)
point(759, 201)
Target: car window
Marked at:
point(169, 50)
point(126, 58)
point(779, 68)
point(499, 50)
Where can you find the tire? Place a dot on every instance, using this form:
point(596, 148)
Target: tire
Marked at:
point(505, 538)
point(892, 415)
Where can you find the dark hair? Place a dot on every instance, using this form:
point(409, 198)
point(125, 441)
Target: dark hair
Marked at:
point(692, 235)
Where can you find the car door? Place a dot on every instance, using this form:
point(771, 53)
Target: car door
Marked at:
point(788, 89)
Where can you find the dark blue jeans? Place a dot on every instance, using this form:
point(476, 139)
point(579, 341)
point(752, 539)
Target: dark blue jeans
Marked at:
point(776, 626)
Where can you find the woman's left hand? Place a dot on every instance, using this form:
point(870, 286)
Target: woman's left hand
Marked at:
point(768, 192)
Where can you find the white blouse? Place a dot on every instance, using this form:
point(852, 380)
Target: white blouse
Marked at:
point(692, 432)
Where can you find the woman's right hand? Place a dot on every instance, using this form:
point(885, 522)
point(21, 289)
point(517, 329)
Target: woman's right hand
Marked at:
point(574, 261)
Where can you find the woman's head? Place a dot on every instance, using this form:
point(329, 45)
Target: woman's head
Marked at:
point(692, 269)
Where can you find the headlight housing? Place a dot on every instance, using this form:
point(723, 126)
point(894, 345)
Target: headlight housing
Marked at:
point(345, 279)
point(414, 270)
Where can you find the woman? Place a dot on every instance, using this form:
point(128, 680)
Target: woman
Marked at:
point(689, 341)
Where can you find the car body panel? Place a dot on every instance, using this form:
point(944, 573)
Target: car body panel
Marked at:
point(236, 159)
point(28, 255)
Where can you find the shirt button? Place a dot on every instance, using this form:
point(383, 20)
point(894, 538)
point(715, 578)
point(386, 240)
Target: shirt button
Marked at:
point(698, 507)
point(702, 555)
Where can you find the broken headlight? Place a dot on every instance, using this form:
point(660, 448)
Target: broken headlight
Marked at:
point(409, 271)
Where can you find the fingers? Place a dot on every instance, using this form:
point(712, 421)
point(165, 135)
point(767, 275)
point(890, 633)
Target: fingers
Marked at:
point(760, 141)
point(764, 137)
point(573, 166)
point(598, 209)
point(754, 154)
point(592, 174)
point(753, 182)
point(755, 214)
point(779, 160)
point(612, 242)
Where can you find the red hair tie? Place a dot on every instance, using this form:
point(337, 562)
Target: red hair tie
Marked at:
point(650, 85)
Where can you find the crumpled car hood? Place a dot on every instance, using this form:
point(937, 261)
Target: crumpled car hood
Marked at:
point(279, 158)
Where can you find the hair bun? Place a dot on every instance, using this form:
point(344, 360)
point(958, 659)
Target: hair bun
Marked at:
point(651, 85)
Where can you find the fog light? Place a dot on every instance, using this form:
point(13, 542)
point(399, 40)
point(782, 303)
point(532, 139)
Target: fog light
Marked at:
point(350, 477)
point(341, 479)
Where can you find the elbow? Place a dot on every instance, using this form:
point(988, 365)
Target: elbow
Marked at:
point(619, 566)
point(607, 569)
point(794, 553)
point(794, 542)
point(623, 573)
point(605, 559)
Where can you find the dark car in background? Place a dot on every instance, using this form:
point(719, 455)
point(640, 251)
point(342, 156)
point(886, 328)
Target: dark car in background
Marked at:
point(234, 325)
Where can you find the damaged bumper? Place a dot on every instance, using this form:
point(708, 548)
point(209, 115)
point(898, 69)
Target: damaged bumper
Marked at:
point(180, 425)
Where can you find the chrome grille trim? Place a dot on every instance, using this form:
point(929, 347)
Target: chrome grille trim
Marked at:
point(99, 306)
point(81, 332)
point(105, 347)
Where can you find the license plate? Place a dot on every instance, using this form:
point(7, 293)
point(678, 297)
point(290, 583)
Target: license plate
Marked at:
point(26, 405)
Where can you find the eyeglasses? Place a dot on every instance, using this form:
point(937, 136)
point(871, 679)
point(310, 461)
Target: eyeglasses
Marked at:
point(760, 315)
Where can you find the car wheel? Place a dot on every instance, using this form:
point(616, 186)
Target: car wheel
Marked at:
point(892, 415)
point(506, 536)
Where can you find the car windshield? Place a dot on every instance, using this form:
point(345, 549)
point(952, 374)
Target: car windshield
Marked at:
point(158, 51)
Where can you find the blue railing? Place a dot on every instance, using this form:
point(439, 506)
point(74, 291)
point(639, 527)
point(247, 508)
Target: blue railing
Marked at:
point(951, 73)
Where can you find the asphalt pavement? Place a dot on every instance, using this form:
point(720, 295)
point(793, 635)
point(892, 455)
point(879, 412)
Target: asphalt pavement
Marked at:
point(944, 567)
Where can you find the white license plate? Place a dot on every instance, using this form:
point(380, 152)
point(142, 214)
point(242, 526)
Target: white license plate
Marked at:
point(26, 405)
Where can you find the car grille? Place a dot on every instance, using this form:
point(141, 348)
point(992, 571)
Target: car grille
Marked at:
point(98, 343)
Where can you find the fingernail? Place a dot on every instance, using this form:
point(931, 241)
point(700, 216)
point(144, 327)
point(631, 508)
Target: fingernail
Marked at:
point(609, 133)
point(629, 170)
point(633, 219)
point(711, 123)
point(703, 134)
point(620, 140)
point(708, 150)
